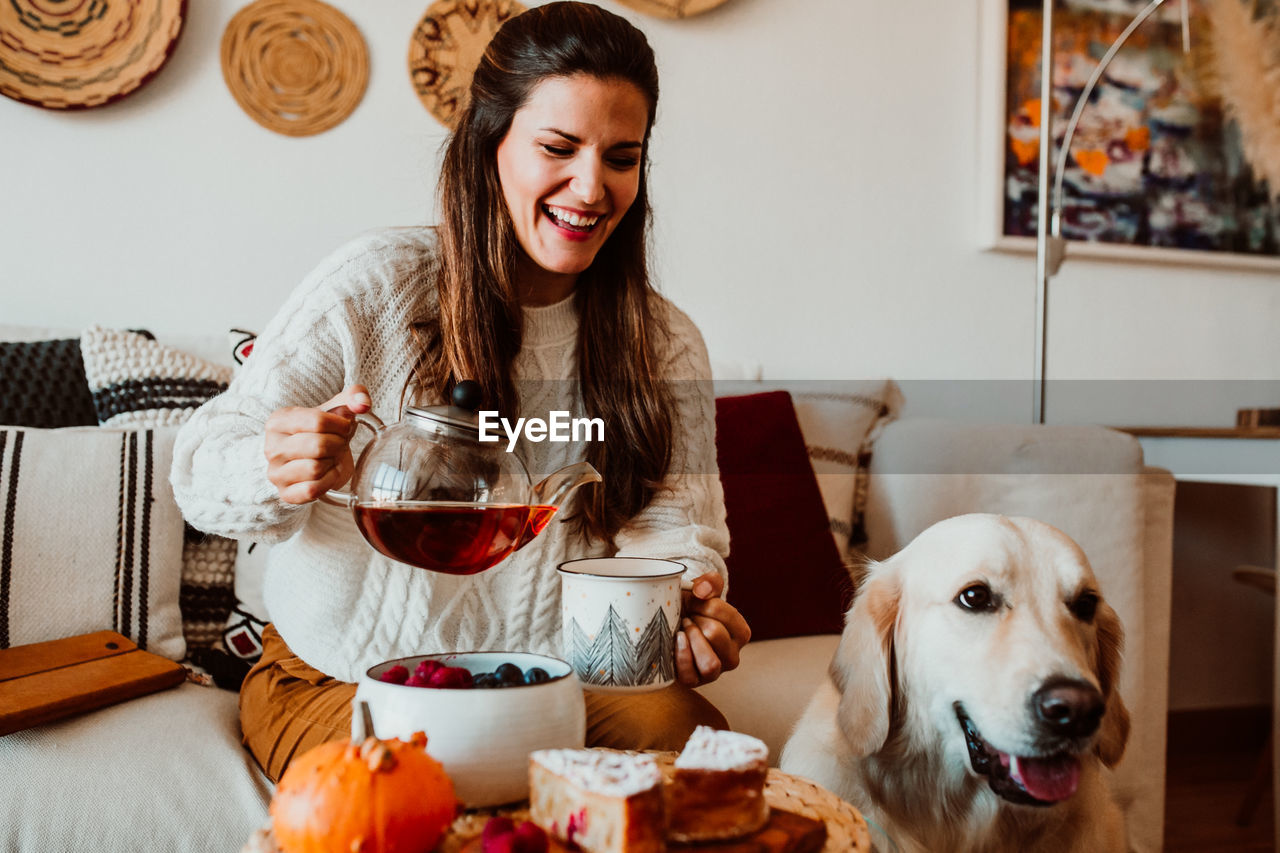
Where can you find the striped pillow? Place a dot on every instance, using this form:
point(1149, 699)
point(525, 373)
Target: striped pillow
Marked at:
point(138, 382)
point(92, 537)
point(840, 421)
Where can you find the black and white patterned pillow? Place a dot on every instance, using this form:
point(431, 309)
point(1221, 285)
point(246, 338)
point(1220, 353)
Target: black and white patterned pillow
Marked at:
point(241, 645)
point(137, 382)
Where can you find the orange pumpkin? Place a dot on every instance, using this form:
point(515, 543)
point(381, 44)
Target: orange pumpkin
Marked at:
point(381, 796)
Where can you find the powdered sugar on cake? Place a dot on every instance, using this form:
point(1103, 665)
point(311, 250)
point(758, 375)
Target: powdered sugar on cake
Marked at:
point(613, 774)
point(711, 749)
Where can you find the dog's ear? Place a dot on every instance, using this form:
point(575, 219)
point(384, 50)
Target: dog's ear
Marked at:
point(862, 666)
point(1114, 733)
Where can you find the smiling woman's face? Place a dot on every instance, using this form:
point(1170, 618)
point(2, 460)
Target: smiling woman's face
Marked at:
point(570, 168)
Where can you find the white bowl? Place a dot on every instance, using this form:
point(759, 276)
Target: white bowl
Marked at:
point(482, 735)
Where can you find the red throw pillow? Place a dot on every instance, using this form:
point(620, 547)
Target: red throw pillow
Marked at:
point(785, 574)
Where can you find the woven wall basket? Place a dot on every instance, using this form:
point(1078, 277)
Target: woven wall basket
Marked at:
point(83, 53)
point(672, 8)
point(298, 67)
point(446, 48)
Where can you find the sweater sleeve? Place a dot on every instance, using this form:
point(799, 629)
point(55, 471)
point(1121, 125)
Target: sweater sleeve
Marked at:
point(685, 521)
point(301, 358)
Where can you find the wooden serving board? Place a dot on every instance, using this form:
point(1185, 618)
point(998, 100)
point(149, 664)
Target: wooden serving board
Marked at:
point(43, 682)
point(786, 832)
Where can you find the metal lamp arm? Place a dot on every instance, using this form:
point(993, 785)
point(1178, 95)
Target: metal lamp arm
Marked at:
point(1050, 244)
point(1055, 227)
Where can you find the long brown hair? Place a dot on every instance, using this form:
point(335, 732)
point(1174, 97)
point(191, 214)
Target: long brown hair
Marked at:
point(477, 332)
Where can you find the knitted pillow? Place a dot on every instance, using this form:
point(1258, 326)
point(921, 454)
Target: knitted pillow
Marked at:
point(785, 574)
point(138, 382)
point(42, 384)
point(840, 421)
point(92, 537)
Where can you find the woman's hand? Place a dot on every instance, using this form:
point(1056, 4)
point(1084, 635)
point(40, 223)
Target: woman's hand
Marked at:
point(308, 450)
point(712, 632)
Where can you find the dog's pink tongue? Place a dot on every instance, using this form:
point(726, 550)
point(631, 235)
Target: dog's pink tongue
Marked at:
point(1048, 779)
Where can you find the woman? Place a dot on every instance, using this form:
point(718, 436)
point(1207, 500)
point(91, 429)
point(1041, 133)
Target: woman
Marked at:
point(535, 285)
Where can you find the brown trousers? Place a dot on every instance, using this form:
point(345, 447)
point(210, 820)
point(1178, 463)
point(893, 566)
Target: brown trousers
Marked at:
point(286, 707)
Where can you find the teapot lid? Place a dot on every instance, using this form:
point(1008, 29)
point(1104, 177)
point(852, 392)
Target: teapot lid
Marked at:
point(460, 414)
point(447, 416)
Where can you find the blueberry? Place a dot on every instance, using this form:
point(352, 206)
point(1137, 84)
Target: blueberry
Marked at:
point(485, 679)
point(509, 673)
point(536, 675)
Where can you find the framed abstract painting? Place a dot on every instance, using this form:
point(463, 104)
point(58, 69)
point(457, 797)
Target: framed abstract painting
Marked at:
point(1156, 169)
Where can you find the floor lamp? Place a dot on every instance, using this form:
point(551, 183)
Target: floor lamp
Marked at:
point(1051, 246)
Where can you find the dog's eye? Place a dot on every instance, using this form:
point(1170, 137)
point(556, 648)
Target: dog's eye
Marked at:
point(978, 598)
point(1085, 607)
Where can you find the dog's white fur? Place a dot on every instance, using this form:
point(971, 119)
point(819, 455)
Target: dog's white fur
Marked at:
point(883, 732)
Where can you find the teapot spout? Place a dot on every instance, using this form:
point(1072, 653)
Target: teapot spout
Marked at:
point(553, 490)
point(547, 496)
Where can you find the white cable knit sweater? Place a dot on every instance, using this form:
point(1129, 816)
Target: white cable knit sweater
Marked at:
point(340, 605)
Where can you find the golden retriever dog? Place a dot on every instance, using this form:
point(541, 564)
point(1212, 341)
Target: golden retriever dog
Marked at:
point(972, 704)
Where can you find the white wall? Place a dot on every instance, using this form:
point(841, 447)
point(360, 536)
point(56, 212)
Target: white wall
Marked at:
point(814, 182)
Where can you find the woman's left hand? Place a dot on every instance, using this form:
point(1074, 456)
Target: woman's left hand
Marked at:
point(712, 632)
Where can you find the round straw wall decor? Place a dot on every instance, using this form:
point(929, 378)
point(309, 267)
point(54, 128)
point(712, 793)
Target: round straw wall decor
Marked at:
point(672, 8)
point(297, 67)
point(70, 54)
point(446, 48)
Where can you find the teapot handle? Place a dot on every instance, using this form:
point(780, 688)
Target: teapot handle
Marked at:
point(346, 499)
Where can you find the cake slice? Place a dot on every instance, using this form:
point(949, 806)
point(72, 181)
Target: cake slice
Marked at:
point(716, 790)
point(602, 801)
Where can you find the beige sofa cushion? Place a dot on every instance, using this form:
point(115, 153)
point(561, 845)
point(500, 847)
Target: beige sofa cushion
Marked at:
point(773, 683)
point(165, 772)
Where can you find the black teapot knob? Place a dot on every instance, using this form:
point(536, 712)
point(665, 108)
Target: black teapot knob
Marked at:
point(468, 395)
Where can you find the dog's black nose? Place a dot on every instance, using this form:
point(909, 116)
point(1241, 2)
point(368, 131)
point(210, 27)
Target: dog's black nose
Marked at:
point(1068, 708)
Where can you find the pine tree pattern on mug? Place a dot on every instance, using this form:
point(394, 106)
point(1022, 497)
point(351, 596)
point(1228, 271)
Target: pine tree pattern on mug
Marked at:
point(609, 658)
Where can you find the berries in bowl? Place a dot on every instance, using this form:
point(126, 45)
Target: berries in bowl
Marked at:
point(435, 673)
point(482, 712)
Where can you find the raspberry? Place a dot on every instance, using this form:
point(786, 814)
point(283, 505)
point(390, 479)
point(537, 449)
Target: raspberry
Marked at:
point(500, 844)
point(496, 826)
point(396, 675)
point(415, 681)
point(426, 668)
point(530, 838)
point(451, 676)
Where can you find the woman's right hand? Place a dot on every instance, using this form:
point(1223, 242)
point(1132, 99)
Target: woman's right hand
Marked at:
point(308, 450)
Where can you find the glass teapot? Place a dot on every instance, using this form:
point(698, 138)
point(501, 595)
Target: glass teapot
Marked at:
point(426, 491)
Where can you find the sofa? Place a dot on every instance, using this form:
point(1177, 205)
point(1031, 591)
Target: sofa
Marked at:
point(817, 479)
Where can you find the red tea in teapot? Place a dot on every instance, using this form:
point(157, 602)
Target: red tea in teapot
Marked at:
point(539, 517)
point(454, 538)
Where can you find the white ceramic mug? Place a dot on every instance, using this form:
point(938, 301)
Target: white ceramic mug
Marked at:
point(620, 616)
